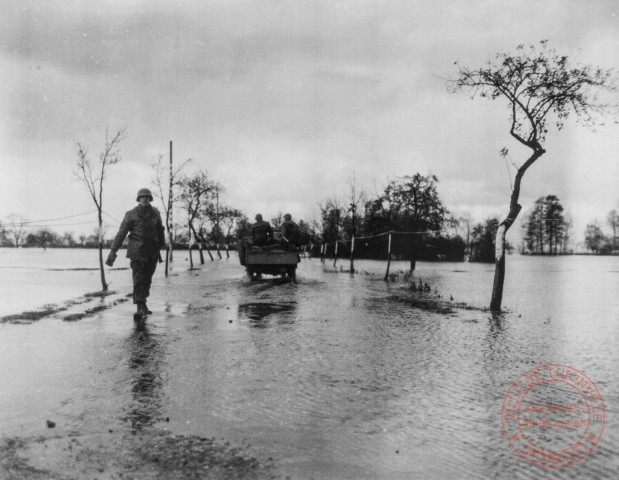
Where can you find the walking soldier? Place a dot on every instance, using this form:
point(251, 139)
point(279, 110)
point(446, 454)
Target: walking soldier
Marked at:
point(146, 237)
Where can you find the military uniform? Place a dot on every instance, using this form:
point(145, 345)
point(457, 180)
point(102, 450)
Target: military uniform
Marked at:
point(290, 231)
point(146, 237)
point(261, 232)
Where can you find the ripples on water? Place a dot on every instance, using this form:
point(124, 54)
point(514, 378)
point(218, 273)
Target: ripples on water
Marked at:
point(336, 380)
point(335, 377)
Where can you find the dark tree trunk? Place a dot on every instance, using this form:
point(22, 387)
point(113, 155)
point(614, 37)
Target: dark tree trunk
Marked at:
point(497, 287)
point(189, 247)
point(200, 248)
point(202, 242)
point(352, 255)
point(413, 260)
point(414, 250)
point(104, 284)
point(499, 251)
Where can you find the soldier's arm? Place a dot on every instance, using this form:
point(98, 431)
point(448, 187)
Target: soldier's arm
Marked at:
point(123, 231)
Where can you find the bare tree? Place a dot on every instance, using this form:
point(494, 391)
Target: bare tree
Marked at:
point(229, 218)
point(355, 198)
point(277, 220)
point(594, 237)
point(211, 210)
point(93, 177)
point(15, 228)
point(567, 233)
point(194, 194)
point(613, 222)
point(465, 220)
point(331, 223)
point(4, 239)
point(537, 84)
point(201, 235)
point(160, 167)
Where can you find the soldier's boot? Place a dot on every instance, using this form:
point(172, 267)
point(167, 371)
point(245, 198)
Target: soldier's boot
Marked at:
point(140, 311)
point(146, 310)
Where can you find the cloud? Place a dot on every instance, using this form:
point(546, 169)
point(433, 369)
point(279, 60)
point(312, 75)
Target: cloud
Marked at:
point(283, 100)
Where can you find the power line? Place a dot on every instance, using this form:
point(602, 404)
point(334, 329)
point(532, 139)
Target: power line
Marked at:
point(53, 224)
point(110, 216)
point(344, 241)
point(43, 224)
point(30, 222)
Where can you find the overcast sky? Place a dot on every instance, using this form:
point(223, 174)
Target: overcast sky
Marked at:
point(282, 100)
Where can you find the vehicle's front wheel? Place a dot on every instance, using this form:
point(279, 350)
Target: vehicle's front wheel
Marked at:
point(292, 274)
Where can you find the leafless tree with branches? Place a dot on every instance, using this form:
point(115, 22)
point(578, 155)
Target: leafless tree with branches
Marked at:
point(160, 167)
point(92, 177)
point(538, 85)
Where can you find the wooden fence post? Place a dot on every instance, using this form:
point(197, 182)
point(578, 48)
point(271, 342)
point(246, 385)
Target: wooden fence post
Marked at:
point(352, 258)
point(335, 260)
point(388, 258)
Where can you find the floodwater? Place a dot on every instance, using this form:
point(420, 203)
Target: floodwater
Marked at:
point(334, 378)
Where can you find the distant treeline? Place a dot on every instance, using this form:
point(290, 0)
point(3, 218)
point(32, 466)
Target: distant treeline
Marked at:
point(546, 230)
point(601, 242)
point(409, 212)
point(409, 207)
point(431, 249)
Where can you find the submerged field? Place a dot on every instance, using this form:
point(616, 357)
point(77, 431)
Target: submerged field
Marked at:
point(340, 376)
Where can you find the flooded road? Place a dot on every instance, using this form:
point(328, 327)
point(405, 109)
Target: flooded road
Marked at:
point(335, 377)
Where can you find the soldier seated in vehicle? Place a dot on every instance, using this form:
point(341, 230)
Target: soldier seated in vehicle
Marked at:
point(289, 232)
point(261, 232)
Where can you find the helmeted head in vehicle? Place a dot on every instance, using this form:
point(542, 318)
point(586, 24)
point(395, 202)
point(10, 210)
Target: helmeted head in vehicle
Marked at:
point(258, 217)
point(287, 217)
point(144, 192)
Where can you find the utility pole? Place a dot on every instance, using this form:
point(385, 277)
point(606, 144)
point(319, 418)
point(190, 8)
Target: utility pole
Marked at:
point(170, 210)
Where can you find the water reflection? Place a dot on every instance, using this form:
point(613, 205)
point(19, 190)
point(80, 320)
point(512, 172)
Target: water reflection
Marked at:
point(257, 312)
point(145, 369)
point(495, 324)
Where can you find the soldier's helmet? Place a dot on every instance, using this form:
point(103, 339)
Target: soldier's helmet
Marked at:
point(144, 192)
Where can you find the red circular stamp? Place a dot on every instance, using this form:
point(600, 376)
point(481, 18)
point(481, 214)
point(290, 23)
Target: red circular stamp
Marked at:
point(553, 416)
